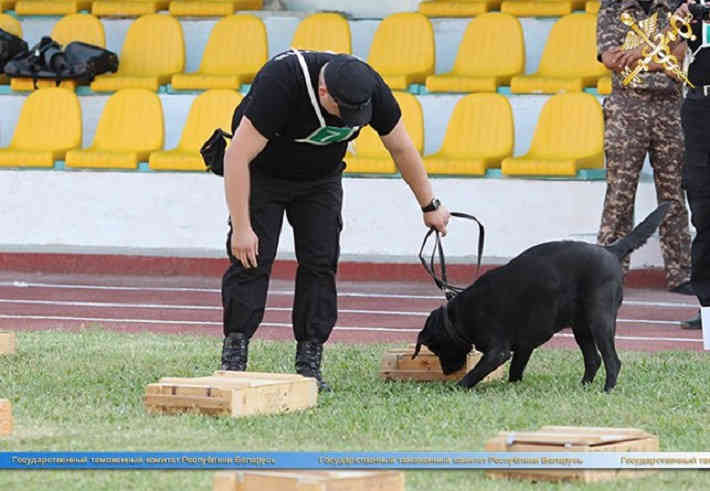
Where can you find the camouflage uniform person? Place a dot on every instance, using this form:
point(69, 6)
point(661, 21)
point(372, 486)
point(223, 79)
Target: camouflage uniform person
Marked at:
point(643, 117)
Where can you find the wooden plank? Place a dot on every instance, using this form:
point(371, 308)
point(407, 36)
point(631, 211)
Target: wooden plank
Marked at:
point(7, 343)
point(572, 439)
point(309, 480)
point(5, 417)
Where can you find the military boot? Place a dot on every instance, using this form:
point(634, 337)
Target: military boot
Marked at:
point(234, 352)
point(308, 359)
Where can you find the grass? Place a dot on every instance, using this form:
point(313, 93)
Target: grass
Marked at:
point(82, 391)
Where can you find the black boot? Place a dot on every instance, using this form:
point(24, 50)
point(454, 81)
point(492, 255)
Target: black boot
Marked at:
point(308, 358)
point(234, 352)
point(694, 323)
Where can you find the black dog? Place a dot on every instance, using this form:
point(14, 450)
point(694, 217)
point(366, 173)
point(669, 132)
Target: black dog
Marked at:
point(512, 310)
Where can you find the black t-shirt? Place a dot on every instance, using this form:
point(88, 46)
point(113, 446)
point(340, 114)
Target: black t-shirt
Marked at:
point(699, 69)
point(279, 106)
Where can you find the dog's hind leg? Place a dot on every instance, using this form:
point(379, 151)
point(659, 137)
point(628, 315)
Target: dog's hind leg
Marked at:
point(603, 331)
point(517, 365)
point(585, 340)
point(489, 362)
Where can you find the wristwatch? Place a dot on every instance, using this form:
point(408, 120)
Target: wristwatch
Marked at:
point(434, 205)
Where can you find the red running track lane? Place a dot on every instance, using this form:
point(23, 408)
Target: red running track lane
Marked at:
point(369, 312)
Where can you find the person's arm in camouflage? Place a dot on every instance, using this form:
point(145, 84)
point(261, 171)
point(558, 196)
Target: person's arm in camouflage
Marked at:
point(609, 35)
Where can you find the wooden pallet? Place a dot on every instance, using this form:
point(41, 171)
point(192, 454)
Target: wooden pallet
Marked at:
point(5, 417)
point(309, 481)
point(7, 343)
point(572, 439)
point(397, 364)
point(232, 393)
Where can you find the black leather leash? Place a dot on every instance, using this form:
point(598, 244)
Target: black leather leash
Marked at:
point(449, 290)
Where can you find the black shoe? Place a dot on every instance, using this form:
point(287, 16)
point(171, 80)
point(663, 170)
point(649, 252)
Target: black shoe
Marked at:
point(684, 289)
point(694, 323)
point(234, 352)
point(308, 359)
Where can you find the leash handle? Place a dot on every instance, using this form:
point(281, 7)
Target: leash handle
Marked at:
point(449, 290)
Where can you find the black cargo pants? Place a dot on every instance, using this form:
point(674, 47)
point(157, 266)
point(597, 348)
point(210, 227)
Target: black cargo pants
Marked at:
point(313, 209)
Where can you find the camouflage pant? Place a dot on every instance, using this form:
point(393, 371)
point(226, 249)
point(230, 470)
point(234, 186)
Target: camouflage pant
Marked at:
point(636, 123)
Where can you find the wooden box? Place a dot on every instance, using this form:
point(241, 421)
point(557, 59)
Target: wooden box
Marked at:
point(309, 481)
point(397, 364)
point(233, 393)
point(5, 417)
point(7, 343)
point(572, 439)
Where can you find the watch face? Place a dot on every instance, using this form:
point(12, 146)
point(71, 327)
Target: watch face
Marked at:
point(435, 203)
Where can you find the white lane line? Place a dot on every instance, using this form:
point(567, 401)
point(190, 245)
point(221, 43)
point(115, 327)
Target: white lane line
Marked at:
point(23, 284)
point(288, 325)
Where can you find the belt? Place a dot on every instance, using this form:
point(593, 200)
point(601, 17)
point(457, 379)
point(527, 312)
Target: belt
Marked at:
point(698, 92)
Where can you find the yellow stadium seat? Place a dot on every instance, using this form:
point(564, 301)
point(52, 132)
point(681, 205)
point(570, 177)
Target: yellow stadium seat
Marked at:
point(51, 7)
point(49, 126)
point(479, 66)
point(212, 8)
point(402, 50)
point(323, 32)
point(480, 134)
point(11, 25)
point(153, 51)
point(569, 136)
point(222, 68)
point(74, 27)
point(457, 8)
point(604, 85)
point(210, 110)
point(6, 5)
point(569, 59)
point(370, 154)
point(127, 8)
point(541, 8)
point(130, 128)
point(592, 6)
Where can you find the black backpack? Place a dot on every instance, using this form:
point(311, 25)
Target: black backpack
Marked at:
point(10, 46)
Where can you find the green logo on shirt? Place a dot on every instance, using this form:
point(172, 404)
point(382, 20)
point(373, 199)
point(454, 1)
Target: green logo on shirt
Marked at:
point(325, 135)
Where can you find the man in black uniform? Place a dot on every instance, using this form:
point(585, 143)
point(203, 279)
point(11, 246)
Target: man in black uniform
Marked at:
point(291, 133)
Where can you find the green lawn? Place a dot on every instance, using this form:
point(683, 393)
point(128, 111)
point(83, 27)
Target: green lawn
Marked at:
point(83, 391)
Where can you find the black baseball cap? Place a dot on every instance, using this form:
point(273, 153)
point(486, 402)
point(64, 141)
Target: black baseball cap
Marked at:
point(351, 83)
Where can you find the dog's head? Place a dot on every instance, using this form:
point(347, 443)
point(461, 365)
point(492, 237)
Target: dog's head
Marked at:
point(435, 336)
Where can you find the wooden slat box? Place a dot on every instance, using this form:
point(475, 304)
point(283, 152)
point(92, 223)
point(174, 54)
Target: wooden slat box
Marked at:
point(309, 481)
point(233, 393)
point(397, 364)
point(7, 343)
point(572, 439)
point(5, 417)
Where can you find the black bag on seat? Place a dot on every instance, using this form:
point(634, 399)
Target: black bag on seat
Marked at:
point(10, 46)
point(213, 151)
point(86, 60)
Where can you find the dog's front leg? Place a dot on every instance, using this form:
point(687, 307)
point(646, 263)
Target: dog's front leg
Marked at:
point(490, 361)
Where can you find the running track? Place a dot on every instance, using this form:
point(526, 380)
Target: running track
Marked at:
point(369, 312)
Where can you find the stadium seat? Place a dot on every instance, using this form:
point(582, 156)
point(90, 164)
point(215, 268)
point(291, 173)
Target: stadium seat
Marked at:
point(480, 134)
point(323, 32)
point(49, 125)
point(10, 24)
point(153, 51)
point(457, 8)
point(541, 8)
point(6, 5)
point(402, 50)
point(51, 7)
point(569, 59)
point(212, 8)
point(569, 136)
point(127, 8)
point(222, 68)
point(370, 155)
point(130, 128)
point(73, 27)
point(604, 85)
point(592, 6)
point(210, 110)
point(479, 66)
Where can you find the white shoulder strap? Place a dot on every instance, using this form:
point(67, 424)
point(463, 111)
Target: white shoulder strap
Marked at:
point(309, 86)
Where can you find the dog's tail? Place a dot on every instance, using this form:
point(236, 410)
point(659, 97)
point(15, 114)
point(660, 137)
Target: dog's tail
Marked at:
point(640, 234)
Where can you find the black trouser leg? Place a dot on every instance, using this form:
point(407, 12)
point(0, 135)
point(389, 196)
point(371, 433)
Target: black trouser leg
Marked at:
point(315, 215)
point(244, 290)
point(697, 179)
